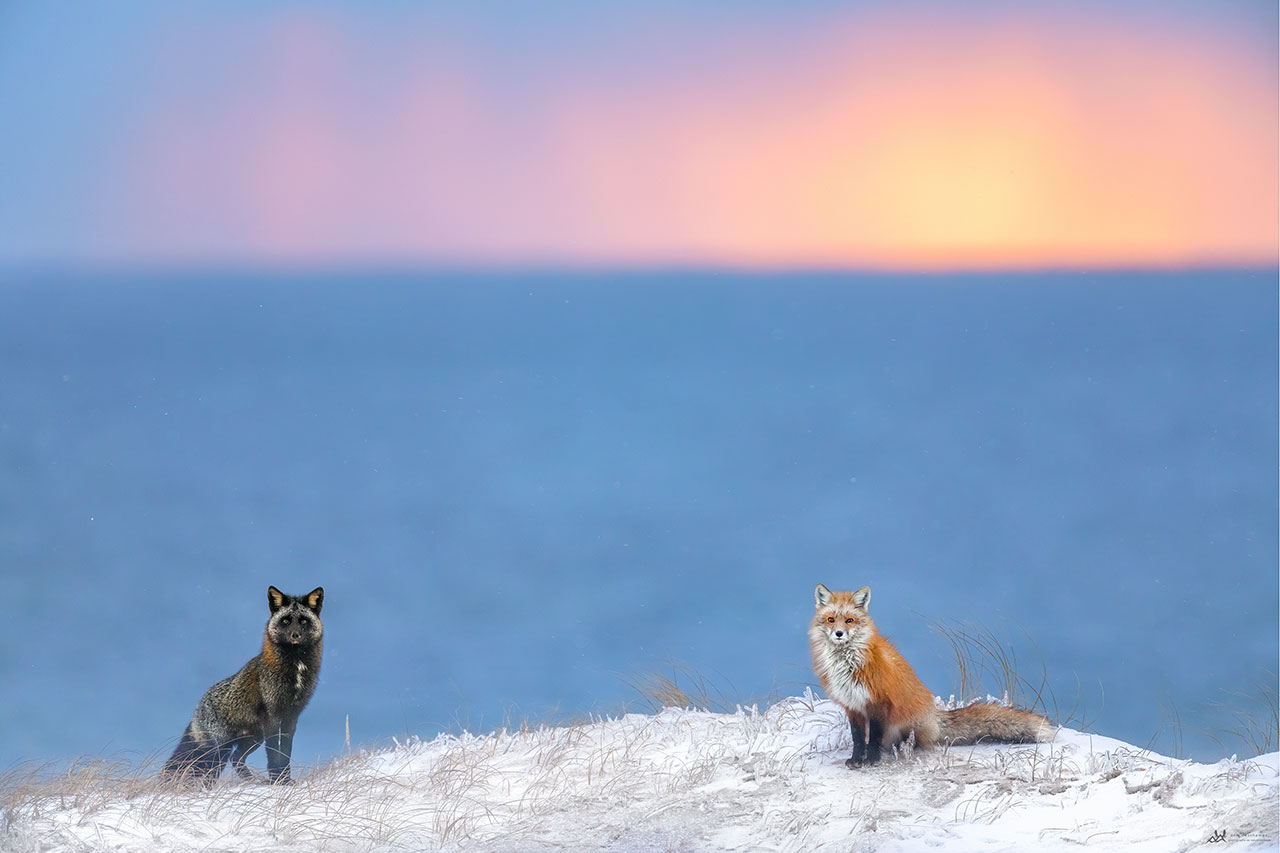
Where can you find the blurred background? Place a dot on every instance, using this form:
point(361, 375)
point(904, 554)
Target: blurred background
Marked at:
point(572, 344)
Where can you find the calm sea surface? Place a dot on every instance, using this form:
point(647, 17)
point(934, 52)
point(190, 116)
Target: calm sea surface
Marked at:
point(524, 493)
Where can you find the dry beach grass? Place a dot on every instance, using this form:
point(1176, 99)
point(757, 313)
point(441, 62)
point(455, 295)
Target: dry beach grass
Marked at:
point(683, 777)
point(679, 779)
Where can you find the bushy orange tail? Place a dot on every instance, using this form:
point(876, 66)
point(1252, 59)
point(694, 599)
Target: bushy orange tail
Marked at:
point(987, 722)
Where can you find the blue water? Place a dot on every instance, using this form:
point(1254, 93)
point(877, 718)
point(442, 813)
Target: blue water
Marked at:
point(522, 493)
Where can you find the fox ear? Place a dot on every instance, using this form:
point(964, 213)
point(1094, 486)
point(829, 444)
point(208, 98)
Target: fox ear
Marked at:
point(275, 598)
point(821, 595)
point(862, 598)
point(315, 599)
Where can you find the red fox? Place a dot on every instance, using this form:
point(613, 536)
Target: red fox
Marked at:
point(886, 702)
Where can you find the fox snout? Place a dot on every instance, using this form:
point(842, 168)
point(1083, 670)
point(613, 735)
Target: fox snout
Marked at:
point(842, 631)
point(296, 633)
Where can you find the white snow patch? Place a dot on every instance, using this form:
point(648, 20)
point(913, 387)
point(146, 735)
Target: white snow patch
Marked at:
point(678, 780)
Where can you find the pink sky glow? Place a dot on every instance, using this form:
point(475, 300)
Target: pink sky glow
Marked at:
point(869, 138)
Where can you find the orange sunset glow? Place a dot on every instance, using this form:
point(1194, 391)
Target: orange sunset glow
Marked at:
point(1006, 149)
point(878, 137)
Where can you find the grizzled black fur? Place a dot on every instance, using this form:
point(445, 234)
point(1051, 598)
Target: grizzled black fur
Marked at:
point(260, 703)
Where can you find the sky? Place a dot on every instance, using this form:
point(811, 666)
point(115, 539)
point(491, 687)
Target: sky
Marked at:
point(749, 134)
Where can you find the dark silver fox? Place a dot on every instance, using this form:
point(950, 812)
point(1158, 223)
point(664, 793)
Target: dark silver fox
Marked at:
point(260, 703)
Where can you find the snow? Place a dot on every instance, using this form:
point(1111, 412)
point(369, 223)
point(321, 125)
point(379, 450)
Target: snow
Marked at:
point(676, 780)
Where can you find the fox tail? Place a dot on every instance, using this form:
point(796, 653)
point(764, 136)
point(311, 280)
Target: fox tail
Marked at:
point(988, 722)
point(193, 761)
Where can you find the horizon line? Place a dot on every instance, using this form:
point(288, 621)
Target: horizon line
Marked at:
point(388, 269)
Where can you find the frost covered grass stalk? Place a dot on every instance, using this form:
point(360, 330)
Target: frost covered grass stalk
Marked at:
point(1170, 723)
point(1255, 717)
point(1254, 727)
point(685, 687)
point(331, 808)
point(980, 654)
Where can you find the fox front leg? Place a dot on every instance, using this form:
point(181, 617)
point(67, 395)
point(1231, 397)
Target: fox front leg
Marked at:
point(875, 736)
point(240, 750)
point(279, 749)
point(858, 728)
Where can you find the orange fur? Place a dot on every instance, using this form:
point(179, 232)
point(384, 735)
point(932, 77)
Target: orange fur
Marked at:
point(270, 657)
point(898, 696)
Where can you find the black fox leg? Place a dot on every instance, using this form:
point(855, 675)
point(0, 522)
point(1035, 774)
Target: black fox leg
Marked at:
point(279, 749)
point(858, 728)
point(240, 749)
point(875, 735)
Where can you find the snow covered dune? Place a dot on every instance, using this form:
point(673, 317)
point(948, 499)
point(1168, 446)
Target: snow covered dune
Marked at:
point(677, 780)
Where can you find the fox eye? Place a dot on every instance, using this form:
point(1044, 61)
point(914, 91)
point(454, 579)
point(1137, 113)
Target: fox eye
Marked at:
point(285, 621)
point(831, 619)
point(848, 620)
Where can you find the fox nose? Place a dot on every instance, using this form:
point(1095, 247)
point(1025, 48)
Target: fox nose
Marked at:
point(839, 634)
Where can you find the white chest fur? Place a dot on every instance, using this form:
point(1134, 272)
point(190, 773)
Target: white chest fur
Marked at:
point(837, 664)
